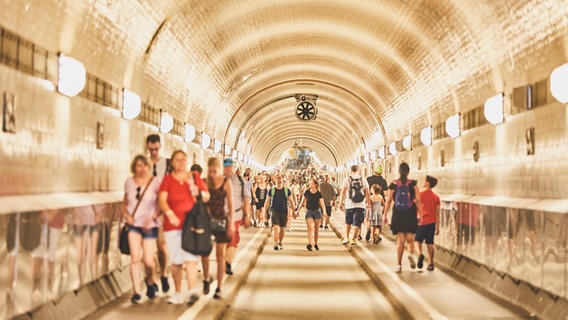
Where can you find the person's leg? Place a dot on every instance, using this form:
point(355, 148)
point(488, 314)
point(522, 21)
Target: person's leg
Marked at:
point(410, 241)
point(348, 223)
point(163, 259)
point(311, 227)
point(399, 247)
point(276, 233)
point(191, 275)
point(430, 254)
point(220, 252)
point(134, 241)
point(317, 222)
point(149, 246)
point(205, 265)
point(176, 274)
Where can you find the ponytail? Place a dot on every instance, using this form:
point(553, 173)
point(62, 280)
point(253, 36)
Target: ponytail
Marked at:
point(404, 170)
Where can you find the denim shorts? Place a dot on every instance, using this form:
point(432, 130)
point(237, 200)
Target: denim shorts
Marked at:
point(146, 233)
point(314, 214)
point(354, 216)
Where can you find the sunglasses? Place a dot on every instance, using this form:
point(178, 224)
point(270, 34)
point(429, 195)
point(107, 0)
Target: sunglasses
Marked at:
point(155, 173)
point(138, 193)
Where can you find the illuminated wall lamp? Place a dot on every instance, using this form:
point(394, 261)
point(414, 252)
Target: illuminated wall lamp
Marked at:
point(493, 109)
point(392, 148)
point(241, 156)
point(453, 126)
point(407, 142)
point(426, 136)
point(131, 104)
point(373, 155)
point(205, 140)
point(559, 83)
point(227, 149)
point(217, 146)
point(166, 122)
point(72, 76)
point(382, 152)
point(235, 155)
point(189, 135)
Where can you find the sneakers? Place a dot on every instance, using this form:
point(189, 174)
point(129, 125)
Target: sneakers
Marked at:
point(316, 247)
point(135, 298)
point(411, 260)
point(368, 235)
point(345, 241)
point(430, 267)
point(398, 269)
point(150, 291)
point(359, 238)
point(288, 229)
point(280, 246)
point(217, 294)
point(165, 284)
point(309, 247)
point(276, 247)
point(228, 269)
point(353, 243)
point(420, 261)
point(176, 298)
point(326, 228)
point(193, 299)
point(321, 226)
point(207, 286)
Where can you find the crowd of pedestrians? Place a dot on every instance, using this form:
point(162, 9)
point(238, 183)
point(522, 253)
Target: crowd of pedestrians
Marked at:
point(161, 192)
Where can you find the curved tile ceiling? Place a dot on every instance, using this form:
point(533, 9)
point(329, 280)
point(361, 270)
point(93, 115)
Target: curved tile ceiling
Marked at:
point(232, 68)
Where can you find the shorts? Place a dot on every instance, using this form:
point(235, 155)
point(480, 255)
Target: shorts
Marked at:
point(426, 233)
point(176, 254)
point(313, 214)
point(236, 238)
point(328, 211)
point(279, 219)
point(354, 216)
point(145, 233)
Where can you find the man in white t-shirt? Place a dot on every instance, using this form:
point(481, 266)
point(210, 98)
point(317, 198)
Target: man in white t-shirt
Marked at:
point(159, 168)
point(355, 193)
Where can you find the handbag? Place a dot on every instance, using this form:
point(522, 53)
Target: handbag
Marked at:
point(218, 226)
point(123, 238)
point(196, 231)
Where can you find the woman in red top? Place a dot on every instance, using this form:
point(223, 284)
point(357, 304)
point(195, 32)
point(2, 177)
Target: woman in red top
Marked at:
point(176, 198)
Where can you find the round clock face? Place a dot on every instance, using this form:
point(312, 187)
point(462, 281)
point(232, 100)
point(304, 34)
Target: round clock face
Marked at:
point(305, 110)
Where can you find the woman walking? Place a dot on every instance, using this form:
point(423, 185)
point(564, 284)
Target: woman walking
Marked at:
point(259, 196)
point(313, 200)
point(140, 210)
point(406, 212)
point(221, 191)
point(177, 193)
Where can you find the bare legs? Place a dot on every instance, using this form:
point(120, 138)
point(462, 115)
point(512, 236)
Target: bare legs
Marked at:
point(141, 247)
point(401, 239)
point(313, 230)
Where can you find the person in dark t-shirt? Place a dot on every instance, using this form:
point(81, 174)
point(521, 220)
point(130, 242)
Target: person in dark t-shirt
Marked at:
point(277, 200)
point(313, 200)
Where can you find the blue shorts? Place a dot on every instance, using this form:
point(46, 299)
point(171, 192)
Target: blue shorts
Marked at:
point(426, 233)
point(314, 214)
point(145, 233)
point(354, 216)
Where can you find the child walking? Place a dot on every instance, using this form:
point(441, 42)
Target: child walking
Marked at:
point(375, 214)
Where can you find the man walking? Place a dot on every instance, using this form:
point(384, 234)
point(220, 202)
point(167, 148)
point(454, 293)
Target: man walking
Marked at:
point(355, 193)
point(278, 199)
point(160, 166)
point(329, 194)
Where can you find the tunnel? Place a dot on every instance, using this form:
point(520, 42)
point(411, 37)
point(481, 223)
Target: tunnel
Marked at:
point(473, 93)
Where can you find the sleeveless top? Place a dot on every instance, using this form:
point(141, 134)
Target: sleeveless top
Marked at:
point(216, 202)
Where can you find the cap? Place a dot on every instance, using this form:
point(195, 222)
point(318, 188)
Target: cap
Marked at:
point(228, 162)
point(379, 170)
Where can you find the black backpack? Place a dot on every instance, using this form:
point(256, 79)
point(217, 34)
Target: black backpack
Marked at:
point(356, 190)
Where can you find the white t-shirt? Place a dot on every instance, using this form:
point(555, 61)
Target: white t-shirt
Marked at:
point(348, 203)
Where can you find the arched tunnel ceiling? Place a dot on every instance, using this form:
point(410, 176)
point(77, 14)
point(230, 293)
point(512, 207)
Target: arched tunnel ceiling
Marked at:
point(232, 67)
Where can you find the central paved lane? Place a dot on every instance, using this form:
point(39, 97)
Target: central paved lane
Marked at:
point(297, 284)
